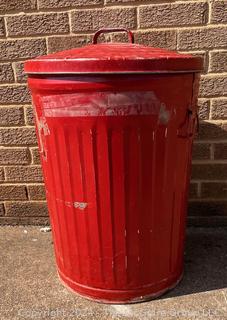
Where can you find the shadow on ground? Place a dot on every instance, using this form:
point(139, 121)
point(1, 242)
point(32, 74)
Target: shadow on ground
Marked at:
point(30, 289)
point(205, 262)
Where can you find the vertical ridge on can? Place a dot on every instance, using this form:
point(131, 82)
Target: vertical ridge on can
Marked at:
point(115, 169)
point(51, 198)
point(96, 213)
point(68, 200)
point(60, 197)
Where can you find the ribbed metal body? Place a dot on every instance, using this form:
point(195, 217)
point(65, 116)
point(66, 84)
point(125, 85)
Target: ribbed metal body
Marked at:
point(116, 158)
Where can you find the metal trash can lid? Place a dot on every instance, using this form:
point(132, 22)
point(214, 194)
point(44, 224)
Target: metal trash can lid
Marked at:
point(111, 58)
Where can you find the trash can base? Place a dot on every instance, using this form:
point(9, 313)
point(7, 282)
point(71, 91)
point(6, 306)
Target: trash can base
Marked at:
point(121, 296)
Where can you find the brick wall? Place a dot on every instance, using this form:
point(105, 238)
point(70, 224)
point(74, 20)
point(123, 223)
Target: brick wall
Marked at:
point(34, 27)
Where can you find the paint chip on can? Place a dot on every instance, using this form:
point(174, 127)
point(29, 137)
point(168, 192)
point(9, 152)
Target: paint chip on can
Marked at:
point(80, 205)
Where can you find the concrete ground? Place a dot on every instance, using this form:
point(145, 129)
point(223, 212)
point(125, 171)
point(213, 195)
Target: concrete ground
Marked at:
point(30, 289)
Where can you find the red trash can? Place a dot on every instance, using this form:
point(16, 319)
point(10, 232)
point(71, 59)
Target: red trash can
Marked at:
point(115, 124)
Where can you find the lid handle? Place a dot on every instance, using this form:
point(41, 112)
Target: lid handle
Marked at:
point(110, 30)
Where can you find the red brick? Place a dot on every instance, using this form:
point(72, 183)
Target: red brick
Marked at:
point(24, 173)
point(14, 94)
point(218, 11)
point(114, 37)
point(26, 209)
point(17, 136)
point(202, 38)
point(209, 221)
point(29, 116)
point(92, 20)
point(201, 151)
point(212, 131)
point(36, 192)
point(46, 4)
point(219, 109)
point(125, 1)
point(193, 190)
point(11, 116)
point(24, 221)
point(59, 43)
point(209, 171)
point(214, 190)
point(36, 24)
point(204, 109)
point(12, 192)
point(220, 151)
point(19, 69)
point(207, 208)
point(213, 86)
point(6, 73)
point(22, 49)
point(2, 176)
point(2, 27)
point(203, 55)
point(178, 14)
point(2, 210)
point(14, 156)
point(163, 39)
point(12, 5)
point(35, 155)
point(218, 61)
